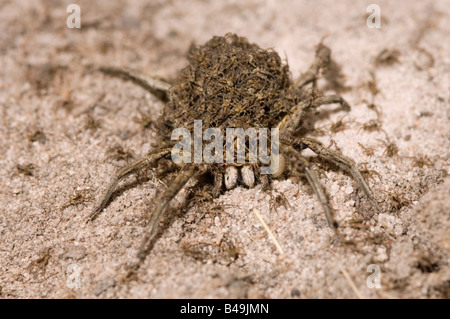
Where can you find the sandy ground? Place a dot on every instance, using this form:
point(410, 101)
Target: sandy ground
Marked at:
point(65, 129)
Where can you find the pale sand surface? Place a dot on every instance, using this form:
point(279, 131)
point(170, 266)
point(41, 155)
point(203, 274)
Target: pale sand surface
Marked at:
point(66, 120)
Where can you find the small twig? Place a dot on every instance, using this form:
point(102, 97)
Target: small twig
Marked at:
point(280, 250)
point(352, 284)
point(252, 239)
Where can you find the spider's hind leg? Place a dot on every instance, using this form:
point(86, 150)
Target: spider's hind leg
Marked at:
point(343, 162)
point(322, 60)
point(292, 120)
point(154, 85)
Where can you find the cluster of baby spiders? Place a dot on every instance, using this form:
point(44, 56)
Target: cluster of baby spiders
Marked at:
point(230, 82)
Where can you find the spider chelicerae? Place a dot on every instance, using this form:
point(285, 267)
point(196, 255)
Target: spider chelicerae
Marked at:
point(230, 82)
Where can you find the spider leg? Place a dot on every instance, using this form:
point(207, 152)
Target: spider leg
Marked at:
point(265, 182)
point(321, 60)
point(342, 161)
point(292, 120)
point(148, 161)
point(313, 180)
point(154, 85)
point(218, 182)
point(163, 202)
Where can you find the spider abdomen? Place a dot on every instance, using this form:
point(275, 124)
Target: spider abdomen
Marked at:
point(230, 82)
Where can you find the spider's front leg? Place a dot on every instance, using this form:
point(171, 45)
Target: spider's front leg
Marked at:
point(342, 161)
point(148, 161)
point(313, 180)
point(218, 181)
point(163, 201)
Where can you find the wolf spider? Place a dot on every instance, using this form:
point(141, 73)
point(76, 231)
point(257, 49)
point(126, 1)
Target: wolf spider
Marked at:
point(230, 82)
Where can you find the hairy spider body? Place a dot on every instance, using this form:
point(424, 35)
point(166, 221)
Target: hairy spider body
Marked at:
point(231, 83)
